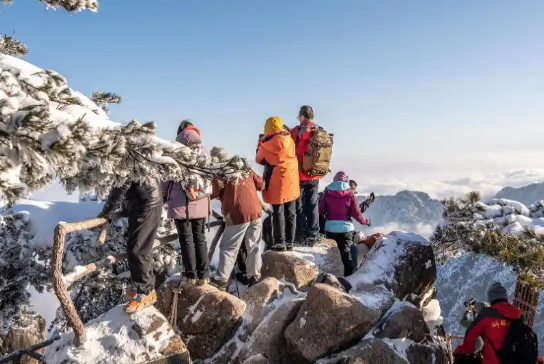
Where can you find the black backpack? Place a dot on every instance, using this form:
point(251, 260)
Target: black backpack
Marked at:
point(520, 345)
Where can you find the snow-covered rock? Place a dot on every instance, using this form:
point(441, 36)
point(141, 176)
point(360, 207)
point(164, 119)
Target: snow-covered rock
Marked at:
point(207, 317)
point(119, 338)
point(403, 320)
point(329, 321)
point(288, 266)
point(392, 260)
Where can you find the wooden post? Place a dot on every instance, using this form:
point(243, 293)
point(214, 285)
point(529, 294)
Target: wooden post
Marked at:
point(526, 299)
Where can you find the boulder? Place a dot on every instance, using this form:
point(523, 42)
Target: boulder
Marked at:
point(330, 321)
point(26, 330)
point(289, 267)
point(257, 299)
point(402, 262)
point(257, 359)
point(430, 353)
point(117, 337)
point(368, 351)
point(207, 317)
point(268, 340)
point(403, 320)
point(333, 281)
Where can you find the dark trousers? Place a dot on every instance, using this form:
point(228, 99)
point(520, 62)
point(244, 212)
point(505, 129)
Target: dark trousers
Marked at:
point(284, 221)
point(241, 259)
point(194, 248)
point(142, 227)
point(344, 242)
point(308, 208)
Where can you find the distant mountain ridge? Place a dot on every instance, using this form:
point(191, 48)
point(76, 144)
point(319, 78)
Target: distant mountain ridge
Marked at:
point(526, 194)
point(407, 208)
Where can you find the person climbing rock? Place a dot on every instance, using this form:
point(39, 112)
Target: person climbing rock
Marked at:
point(339, 206)
point(241, 208)
point(314, 150)
point(189, 206)
point(276, 152)
point(506, 338)
point(142, 204)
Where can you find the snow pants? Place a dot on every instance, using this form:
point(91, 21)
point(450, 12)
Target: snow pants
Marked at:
point(142, 227)
point(233, 237)
point(194, 248)
point(308, 209)
point(344, 242)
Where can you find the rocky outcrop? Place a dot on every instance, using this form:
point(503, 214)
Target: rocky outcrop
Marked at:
point(207, 317)
point(402, 262)
point(116, 337)
point(268, 340)
point(289, 267)
point(403, 320)
point(258, 298)
point(26, 330)
point(368, 351)
point(330, 321)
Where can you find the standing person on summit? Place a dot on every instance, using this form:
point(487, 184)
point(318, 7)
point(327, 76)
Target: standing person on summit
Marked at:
point(189, 206)
point(339, 206)
point(276, 152)
point(142, 203)
point(314, 160)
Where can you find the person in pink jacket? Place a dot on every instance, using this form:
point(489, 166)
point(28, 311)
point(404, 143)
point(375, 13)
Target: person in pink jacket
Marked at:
point(190, 217)
point(338, 207)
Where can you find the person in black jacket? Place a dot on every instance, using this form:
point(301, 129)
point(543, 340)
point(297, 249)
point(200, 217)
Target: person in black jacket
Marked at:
point(142, 204)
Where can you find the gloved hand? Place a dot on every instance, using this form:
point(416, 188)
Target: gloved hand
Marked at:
point(368, 222)
point(372, 197)
point(107, 216)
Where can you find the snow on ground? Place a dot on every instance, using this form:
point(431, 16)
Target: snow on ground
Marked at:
point(116, 338)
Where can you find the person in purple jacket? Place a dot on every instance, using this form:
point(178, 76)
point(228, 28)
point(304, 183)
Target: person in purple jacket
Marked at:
point(190, 215)
point(339, 205)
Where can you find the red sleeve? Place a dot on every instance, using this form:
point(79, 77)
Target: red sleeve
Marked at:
point(323, 205)
point(468, 346)
point(259, 182)
point(356, 211)
point(294, 133)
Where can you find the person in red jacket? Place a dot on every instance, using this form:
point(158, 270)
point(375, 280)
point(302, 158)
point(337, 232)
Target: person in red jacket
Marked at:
point(307, 204)
point(491, 324)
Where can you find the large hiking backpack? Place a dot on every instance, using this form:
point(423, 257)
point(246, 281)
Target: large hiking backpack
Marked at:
point(316, 160)
point(520, 345)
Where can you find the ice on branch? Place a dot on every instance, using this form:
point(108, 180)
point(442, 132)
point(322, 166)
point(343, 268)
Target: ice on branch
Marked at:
point(48, 130)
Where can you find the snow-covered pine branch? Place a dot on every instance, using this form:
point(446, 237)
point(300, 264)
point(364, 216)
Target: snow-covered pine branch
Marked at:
point(12, 47)
point(71, 6)
point(48, 130)
point(503, 229)
point(105, 99)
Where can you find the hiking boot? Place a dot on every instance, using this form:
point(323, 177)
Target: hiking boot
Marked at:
point(221, 284)
point(300, 239)
point(203, 281)
point(130, 295)
point(278, 247)
point(141, 301)
point(252, 281)
point(242, 278)
point(313, 239)
point(289, 247)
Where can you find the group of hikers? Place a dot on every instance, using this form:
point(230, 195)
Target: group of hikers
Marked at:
point(294, 162)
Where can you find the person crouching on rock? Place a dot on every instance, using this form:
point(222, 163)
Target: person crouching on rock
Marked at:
point(276, 152)
point(142, 203)
point(241, 210)
point(339, 206)
point(189, 206)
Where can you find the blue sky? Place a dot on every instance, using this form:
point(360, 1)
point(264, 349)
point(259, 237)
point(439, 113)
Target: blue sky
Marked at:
point(392, 79)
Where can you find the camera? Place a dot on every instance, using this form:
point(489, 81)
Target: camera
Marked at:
point(470, 302)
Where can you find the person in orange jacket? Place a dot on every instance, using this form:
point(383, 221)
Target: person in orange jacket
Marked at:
point(276, 152)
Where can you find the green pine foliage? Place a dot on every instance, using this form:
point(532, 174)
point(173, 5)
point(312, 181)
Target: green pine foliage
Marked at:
point(463, 229)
